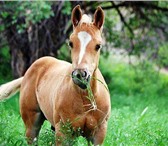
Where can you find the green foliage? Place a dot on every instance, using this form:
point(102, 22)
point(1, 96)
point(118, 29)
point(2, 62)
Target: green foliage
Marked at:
point(112, 28)
point(125, 129)
point(70, 134)
point(5, 53)
point(138, 30)
point(139, 100)
point(163, 55)
point(2, 28)
point(131, 80)
point(66, 8)
point(36, 11)
point(46, 131)
point(12, 131)
point(5, 67)
point(64, 53)
point(33, 12)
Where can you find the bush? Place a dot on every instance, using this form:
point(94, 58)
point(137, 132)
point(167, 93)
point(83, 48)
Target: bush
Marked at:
point(163, 55)
point(5, 65)
point(125, 79)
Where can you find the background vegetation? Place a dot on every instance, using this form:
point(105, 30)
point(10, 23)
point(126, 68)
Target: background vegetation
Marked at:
point(138, 91)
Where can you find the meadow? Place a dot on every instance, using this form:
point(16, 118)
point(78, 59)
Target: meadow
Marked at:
point(139, 116)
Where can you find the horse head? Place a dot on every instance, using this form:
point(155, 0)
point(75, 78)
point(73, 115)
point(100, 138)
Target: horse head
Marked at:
point(85, 43)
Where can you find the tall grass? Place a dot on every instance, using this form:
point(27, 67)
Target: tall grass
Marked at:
point(139, 104)
point(139, 109)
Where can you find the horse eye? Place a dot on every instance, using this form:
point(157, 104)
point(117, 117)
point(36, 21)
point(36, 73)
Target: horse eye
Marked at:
point(98, 46)
point(70, 44)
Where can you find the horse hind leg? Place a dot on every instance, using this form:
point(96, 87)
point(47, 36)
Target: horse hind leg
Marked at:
point(31, 113)
point(33, 121)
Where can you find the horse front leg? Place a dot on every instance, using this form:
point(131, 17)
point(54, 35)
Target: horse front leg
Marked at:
point(59, 135)
point(100, 134)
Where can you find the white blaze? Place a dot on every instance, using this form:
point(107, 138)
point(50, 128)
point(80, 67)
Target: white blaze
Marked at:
point(84, 38)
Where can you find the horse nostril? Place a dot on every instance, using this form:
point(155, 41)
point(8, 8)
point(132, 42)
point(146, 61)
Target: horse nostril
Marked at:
point(84, 74)
point(78, 76)
point(73, 73)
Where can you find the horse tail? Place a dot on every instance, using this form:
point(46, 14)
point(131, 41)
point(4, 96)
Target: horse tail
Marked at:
point(10, 88)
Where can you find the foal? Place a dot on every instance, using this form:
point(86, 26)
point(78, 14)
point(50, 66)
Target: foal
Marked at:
point(58, 91)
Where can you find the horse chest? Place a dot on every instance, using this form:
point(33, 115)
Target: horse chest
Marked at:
point(78, 109)
point(80, 115)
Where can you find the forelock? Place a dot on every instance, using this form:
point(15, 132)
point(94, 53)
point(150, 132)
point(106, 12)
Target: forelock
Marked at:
point(86, 19)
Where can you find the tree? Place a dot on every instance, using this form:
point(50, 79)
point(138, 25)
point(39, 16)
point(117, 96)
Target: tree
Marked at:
point(36, 29)
point(33, 30)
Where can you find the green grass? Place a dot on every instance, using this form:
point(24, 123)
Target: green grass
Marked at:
point(139, 109)
point(139, 105)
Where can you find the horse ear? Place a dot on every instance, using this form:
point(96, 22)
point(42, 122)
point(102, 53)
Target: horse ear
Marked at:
point(76, 15)
point(99, 18)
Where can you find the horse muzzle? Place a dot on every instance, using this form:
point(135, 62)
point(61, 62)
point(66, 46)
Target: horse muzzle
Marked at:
point(81, 78)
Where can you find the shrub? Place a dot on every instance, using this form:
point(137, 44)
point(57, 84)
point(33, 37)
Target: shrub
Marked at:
point(163, 55)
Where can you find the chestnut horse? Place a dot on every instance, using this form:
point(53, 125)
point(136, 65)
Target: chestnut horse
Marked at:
point(58, 91)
